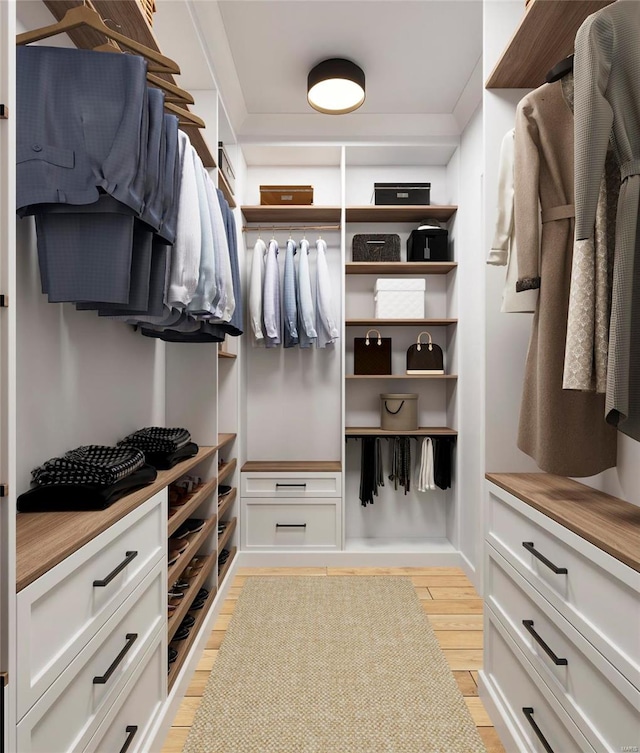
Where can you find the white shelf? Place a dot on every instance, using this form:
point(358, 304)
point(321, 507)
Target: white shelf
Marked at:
point(400, 546)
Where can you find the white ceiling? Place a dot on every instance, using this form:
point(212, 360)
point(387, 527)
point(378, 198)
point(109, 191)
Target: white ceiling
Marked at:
point(417, 56)
point(421, 59)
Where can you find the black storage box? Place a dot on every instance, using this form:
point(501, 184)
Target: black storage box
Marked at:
point(431, 244)
point(402, 193)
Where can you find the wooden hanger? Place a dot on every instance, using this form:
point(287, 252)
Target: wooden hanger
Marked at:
point(172, 92)
point(186, 118)
point(83, 15)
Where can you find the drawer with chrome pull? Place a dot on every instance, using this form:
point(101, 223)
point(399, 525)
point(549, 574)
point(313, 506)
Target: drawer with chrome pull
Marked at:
point(70, 711)
point(60, 612)
point(598, 698)
point(588, 587)
point(541, 724)
point(292, 524)
point(320, 484)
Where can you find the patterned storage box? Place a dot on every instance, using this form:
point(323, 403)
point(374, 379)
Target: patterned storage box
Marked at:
point(399, 298)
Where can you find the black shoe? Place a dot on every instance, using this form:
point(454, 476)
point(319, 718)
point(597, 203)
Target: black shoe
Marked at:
point(181, 633)
point(188, 622)
point(193, 525)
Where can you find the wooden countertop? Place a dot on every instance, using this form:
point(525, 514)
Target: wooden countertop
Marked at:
point(606, 521)
point(292, 466)
point(44, 539)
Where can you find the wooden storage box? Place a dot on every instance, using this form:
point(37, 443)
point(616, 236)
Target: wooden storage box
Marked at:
point(283, 195)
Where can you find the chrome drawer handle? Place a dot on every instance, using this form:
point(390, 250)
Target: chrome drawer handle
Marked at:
point(304, 486)
point(102, 679)
point(128, 557)
point(528, 545)
point(528, 712)
point(554, 658)
point(131, 733)
point(291, 525)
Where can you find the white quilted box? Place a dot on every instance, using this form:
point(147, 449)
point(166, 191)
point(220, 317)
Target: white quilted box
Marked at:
point(399, 298)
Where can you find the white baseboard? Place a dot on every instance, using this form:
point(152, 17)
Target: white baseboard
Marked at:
point(500, 717)
point(472, 573)
point(166, 716)
point(349, 559)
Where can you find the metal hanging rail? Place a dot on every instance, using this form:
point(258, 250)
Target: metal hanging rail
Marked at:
point(291, 227)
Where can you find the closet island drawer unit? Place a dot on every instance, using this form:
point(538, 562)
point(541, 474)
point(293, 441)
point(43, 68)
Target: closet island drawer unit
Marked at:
point(128, 722)
point(562, 598)
point(605, 706)
point(61, 611)
point(590, 587)
point(70, 711)
point(292, 524)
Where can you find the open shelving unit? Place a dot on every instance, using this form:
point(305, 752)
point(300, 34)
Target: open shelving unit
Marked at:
point(197, 582)
point(226, 470)
point(226, 189)
point(192, 504)
point(228, 501)
point(545, 36)
point(226, 535)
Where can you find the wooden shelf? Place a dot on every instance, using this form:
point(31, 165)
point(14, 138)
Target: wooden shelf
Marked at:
point(400, 322)
point(292, 466)
point(227, 565)
point(224, 439)
point(400, 267)
point(128, 18)
point(226, 470)
point(609, 523)
point(44, 539)
point(279, 214)
point(545, 36)
point(176, 570)
point(224, 354)
point(422, 431)
point(402, 376)
point(185, 646)
point(228, 531)
point(226, 505)
point(416, 213)
point(194, 501)
point(196, 584)
point(224, 186)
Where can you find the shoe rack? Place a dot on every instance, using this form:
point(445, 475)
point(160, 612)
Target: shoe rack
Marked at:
point(197, 567)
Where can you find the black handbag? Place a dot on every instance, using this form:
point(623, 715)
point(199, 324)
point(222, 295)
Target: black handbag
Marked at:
point(425, 358)
point(372, 247)
point(372, 355)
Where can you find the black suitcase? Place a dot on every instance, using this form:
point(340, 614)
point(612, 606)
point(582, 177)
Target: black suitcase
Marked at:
point(431, 244)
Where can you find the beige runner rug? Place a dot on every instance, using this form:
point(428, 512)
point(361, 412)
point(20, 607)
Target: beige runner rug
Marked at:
point(331, 665)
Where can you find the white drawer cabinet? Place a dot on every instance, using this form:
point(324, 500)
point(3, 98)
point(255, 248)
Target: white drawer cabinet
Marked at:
point(592, 594)
point(604, 704)
point(69, 712)
point(295, 484)
point(295, 524)
point(532, 711)
point(127, 725)
point(61, 611)
point(562, 612)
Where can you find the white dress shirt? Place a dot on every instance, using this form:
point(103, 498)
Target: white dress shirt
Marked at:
point(325, 315)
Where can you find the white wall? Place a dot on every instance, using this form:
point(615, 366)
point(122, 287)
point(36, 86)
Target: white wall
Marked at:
point(470, 344)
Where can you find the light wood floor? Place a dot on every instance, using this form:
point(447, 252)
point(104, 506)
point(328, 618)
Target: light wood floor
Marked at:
point(448, 598)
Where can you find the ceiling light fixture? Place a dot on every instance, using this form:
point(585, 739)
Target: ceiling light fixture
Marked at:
point(336, 86)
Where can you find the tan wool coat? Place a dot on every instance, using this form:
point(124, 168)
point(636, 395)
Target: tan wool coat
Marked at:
point(564, 431)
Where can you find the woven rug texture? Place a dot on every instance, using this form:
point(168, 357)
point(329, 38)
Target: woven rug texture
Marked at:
point(331, 665)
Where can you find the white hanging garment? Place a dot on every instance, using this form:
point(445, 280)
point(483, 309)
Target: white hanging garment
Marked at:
point(255, 291)
point(425, 476)
point(271, 297)
point(325, 317)
point(306, 317)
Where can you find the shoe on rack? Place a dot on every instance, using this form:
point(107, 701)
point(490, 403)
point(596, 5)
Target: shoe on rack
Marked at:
point(188, 622)
point(192, 525)
point(181, 633)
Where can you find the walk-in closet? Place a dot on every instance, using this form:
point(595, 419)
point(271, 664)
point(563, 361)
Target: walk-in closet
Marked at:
point(319, 393)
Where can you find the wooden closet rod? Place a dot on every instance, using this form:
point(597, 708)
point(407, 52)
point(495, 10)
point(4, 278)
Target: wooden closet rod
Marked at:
point(291, 228)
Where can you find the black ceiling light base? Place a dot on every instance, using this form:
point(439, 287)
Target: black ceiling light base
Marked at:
point(336, 86)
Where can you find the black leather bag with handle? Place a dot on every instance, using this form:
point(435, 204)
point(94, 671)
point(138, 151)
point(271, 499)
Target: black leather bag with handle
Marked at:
point(372, 355)
point(425, 358)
